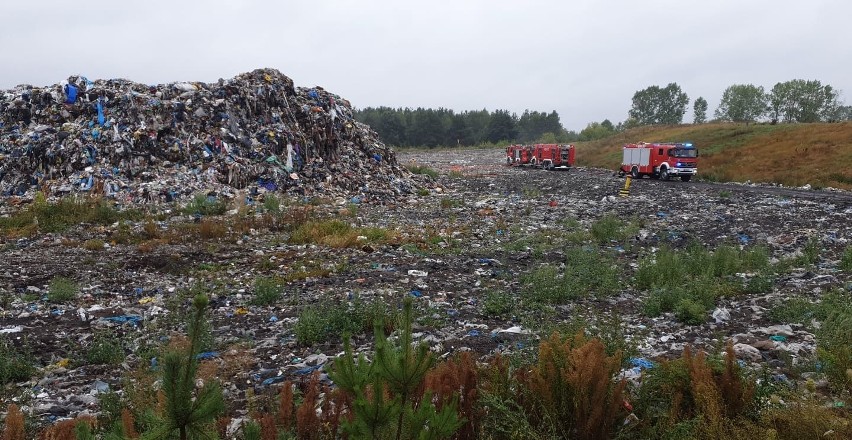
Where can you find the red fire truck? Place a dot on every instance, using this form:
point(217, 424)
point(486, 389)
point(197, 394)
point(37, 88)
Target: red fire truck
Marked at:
point(553, 156)
point(661, 160)
point(519, 155)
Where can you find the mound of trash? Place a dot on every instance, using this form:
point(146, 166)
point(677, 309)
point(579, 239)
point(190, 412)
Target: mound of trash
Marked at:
point(138, 143)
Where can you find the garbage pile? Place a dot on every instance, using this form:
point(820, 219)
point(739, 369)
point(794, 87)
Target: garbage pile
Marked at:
point(137, 143)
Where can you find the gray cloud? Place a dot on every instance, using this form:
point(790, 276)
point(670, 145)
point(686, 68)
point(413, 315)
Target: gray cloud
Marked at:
point(582, 58)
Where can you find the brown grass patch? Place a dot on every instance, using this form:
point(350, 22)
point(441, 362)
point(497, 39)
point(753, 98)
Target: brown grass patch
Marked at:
point(791, 154)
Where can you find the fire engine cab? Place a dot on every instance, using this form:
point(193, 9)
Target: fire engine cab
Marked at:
point(662, 160)
point(553, 156)
point(519, 155)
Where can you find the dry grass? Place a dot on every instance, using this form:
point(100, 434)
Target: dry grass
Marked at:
point(339, 234)
point(14, 426)
point(64, 430)
point(212, 229)
point(793, 154)
point(93, 244)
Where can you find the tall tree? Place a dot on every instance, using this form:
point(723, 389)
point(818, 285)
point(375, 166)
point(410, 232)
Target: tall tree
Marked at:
point(531, 125)
point(596, 130)
point(502, 126)
point(655, 105)
point(803, 101)
point(426, 129)
point(699, 111)
point(478, 120)
point(460, 132)
point(742, 103)
point(842, 113)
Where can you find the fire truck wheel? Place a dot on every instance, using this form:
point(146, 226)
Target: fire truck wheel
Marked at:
point(685, 177)
point(664, 174)
point(634, 172)
point(508, 161)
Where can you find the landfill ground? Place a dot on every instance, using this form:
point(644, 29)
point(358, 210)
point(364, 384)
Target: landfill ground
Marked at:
point(462, 248)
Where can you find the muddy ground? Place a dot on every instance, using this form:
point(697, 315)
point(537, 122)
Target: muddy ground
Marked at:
point(456, 249)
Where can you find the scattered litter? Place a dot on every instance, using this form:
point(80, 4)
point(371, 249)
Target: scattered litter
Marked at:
point(124, 319)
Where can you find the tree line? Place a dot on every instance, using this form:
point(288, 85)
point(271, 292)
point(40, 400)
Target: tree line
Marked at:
point(795, 101)
point(443, 127)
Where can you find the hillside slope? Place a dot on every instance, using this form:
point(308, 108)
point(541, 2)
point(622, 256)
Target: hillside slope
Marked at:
point(789, 154)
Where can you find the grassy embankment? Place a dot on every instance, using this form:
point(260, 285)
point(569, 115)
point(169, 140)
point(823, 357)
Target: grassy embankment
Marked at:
point(790, 154)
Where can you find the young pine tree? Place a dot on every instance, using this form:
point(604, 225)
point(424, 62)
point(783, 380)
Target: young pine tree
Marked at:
point(387, 402)
point(187, 412)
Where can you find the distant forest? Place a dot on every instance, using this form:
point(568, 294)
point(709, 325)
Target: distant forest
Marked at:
point(431, 128)
point(795, 101)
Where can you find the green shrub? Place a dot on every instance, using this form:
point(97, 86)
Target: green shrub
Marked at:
point(661, 300)
point(810, 253)
point(202, 204)
point(591, 272)
point(327, 321)
point(804, 311)
point(611, 228)
point(685, 281)
point(846, 259)
point(664, 268)
point(834, 347)
point(755, 258)
point(422, 169)
point(690, 311)
point(267, 291)
point(760, 283)
point(588, 272)
point(106, 348)
point(497, 304)
point(271, 203)
point(62, 289)
point(67, 212)
point(16, 365)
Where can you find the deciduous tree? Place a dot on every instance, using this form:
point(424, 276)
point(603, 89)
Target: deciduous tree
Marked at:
point(742, 103)
point(803, 101)
point(699, 111)
point(655, 105)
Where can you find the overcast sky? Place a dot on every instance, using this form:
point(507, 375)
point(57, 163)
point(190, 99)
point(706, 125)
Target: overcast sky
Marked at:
point(583, 58)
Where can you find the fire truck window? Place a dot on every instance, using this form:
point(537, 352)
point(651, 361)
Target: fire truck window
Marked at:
point(660, 152)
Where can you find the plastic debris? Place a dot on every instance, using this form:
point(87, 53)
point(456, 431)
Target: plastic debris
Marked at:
point(642, 363)
point(100, 387)
point(272, 380)
point(721, 315)
point(124, 319)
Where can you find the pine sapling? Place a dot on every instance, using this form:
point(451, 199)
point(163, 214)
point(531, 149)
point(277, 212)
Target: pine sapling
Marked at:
point(388, 399)
point(188, 412)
